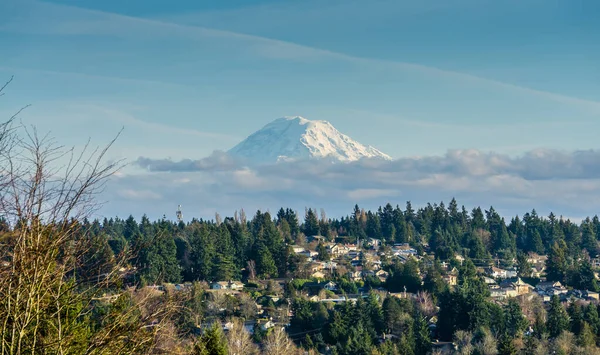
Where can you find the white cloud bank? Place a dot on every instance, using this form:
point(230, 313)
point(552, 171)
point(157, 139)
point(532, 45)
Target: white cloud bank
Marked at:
point(567, 183)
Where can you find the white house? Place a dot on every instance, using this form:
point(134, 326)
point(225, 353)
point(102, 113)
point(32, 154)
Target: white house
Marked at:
point(309, 253)
point(297, 249)
point(227, 285)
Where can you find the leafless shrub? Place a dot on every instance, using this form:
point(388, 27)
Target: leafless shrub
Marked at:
point(54, 276)
point(239, 340)
point(277, 343)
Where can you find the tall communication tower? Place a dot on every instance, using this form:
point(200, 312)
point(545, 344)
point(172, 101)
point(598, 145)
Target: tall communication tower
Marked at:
point(179, 214)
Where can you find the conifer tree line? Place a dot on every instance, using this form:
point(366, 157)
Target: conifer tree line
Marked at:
point(220, 249)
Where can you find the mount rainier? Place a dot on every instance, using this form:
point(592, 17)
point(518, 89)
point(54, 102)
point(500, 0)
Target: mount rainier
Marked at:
point(297, 138)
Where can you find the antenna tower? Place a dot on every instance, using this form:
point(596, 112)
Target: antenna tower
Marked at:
point(179, 214)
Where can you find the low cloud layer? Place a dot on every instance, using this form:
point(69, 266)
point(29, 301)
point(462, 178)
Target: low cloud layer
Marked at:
point(567, 183)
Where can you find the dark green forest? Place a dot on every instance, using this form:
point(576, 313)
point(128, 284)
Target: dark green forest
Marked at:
point(219, 249)
point(259, 249)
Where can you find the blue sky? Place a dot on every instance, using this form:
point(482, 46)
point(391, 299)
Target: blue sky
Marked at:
point(410, 78)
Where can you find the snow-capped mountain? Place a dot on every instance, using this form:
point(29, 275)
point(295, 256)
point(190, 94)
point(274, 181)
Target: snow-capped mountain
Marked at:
point(297, 138)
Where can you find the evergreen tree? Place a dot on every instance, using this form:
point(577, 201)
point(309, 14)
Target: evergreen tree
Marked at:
point(535, 243)
point(433, 282)
point(583, 277)
point(523, 266)
point(556, 265)
point(224, 268)
point(575, 317)
point(323, 254)
point(586, 337)
point(265, 265)
point(212, 342)
point(588, 238)
point(421, 335)
point(590, 315)
point(311, 223)
point(558, 319)
point(506, 345)
point(202, 253)
point(514, 321)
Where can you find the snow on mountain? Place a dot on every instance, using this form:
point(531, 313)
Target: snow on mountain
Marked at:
point(297, 138)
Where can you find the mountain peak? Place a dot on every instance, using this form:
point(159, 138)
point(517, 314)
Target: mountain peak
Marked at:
point(298, 138)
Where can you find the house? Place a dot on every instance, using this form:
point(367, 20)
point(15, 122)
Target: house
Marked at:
point(318, 275)
point(382, 275)
point(330, 265)
point(518, 285)
point(534, 258)
point(403, 249)
point(538, 270)
point(373, 242)
point(314, 267)
point(353, 254)
point(227, 285)
point(450, 279)
point(498, 293)
point(221, 285)
point(459, 258)
point(335, 250)
point(273, 298)
point(330, 286)
point(314, 298)
point(500, 273)
point(315, 287)
point(297, 249)
point(591, 295)
point(351, 247)
point(510, 288)
point(489, 280)
point(236, 285)
point(376, 265)
point(355, 275)
point(308, 253)
point(356, 262)
point(265, 324)
point(550, 288)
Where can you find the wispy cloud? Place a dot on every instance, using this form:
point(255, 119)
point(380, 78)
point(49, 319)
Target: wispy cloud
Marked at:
point(130, 120)
point(69, 20)
point(115, 79)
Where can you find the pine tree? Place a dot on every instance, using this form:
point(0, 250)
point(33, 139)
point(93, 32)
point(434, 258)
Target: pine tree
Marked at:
point(556, 265)
point(311, 223)
point(588, 238)
point(514, 321)
point(421, 335)
point(265, 265)
point(583, 277)
point(202, 253)
point(558, 319)
point(212, 342)
point(576, 317)
point(535, 243)
point(323, 254)
point(591, 317)
point(586, 337)
point(524, 268)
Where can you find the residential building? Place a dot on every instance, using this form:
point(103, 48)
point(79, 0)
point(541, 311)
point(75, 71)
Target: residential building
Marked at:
point(297, 249)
